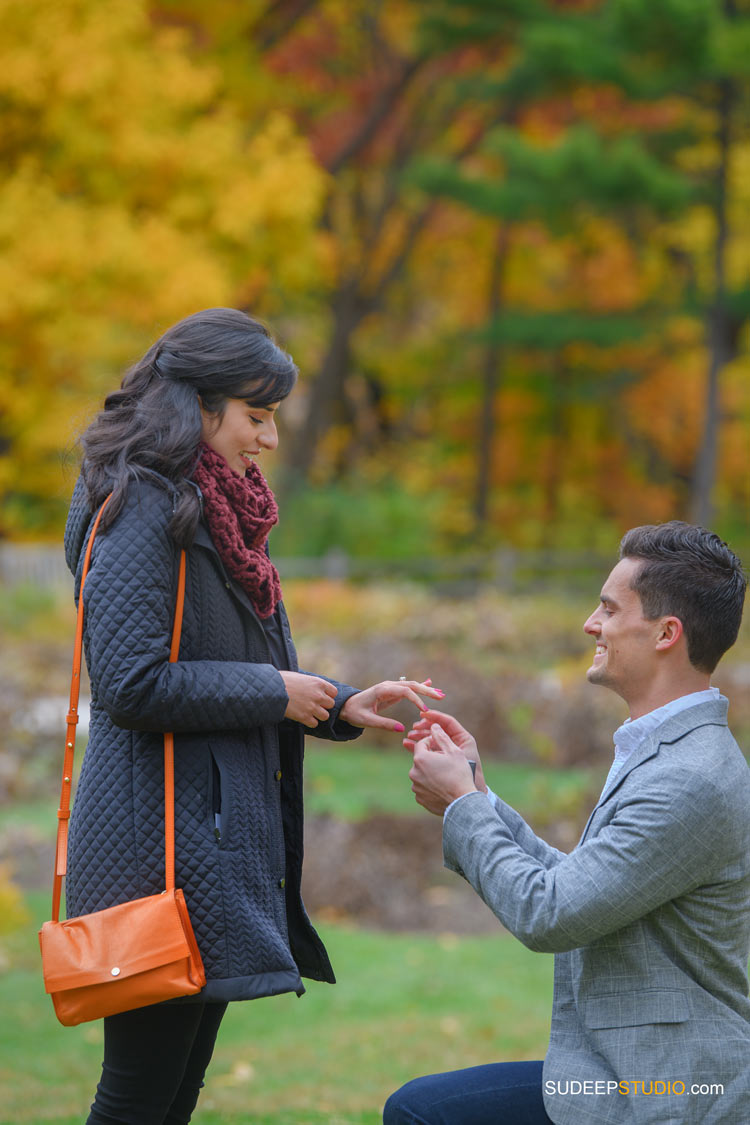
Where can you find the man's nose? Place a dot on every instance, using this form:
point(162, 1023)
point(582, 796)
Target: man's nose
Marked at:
point(591, 624)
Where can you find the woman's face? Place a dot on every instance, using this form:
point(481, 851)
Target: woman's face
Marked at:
point(242, 433)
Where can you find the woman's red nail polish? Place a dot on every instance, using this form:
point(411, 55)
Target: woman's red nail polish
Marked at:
point(400, 727)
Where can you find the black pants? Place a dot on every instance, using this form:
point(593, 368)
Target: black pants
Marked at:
point(154, 1062)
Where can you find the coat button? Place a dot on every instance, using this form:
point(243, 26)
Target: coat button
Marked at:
point(282, 883)
point(277, 775)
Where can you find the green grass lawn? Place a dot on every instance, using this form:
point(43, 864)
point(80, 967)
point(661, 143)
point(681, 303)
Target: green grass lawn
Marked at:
point(349, 781)
point(404, 1005)
point(352, 780)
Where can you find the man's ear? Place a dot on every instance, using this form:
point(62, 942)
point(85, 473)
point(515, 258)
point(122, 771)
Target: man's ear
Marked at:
point(670, 631)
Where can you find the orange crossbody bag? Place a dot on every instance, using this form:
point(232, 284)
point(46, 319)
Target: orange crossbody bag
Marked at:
point(139, 952)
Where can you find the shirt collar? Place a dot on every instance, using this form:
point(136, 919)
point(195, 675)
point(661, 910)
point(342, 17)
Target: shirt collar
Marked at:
point(633, 732)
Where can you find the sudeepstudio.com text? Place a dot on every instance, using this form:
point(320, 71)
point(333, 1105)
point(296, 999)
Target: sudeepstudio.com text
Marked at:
point(632, 1087)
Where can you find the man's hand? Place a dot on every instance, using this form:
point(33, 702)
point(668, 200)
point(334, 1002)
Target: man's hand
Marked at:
point(458, 734)
point(362, 709)
point(310, 698)
point(440, 772)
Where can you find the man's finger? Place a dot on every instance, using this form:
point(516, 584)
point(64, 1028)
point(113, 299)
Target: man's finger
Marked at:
point(441, 738)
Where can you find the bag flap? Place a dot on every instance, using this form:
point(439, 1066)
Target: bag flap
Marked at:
point(113, 944)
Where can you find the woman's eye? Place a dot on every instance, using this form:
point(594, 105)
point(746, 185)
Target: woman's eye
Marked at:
point(257, 421)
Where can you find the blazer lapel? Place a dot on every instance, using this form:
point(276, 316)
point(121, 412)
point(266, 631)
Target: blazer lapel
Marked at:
point(671, 730)
point(646, 750)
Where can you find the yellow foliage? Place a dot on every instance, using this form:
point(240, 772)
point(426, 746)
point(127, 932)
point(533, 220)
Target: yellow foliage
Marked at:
point(13, 912)
point(668, 406)
point(134, 191)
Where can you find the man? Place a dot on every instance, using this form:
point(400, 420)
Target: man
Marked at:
point(649, 916)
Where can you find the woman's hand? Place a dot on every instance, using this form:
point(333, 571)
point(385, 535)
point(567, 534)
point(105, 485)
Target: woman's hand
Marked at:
point(422, 729)
point(362, 709)
point(310, 698)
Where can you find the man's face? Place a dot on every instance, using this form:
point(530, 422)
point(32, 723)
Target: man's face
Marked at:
point(625, 640)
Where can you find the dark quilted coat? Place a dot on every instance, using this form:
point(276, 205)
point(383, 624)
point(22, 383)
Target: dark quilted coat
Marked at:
point(234, 753)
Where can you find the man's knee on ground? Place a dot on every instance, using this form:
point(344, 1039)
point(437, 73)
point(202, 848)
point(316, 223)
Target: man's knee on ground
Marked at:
point(397, 1109)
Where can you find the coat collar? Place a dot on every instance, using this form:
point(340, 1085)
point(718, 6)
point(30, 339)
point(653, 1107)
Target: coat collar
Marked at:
point(711, 713)
point(203, 539)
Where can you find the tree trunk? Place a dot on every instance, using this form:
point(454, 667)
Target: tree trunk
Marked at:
point(491, 381)
point(328, 385)
point(719, 330)
point(554, 461)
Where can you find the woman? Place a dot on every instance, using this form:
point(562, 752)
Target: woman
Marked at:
point(177, 447)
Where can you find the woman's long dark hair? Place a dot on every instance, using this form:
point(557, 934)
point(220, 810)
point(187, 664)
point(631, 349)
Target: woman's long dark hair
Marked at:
point(152, 424)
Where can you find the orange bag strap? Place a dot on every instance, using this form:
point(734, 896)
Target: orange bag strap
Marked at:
point(169, 739)
point(63, 812)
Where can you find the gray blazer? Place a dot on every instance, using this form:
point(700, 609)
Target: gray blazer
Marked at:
point(649, 918)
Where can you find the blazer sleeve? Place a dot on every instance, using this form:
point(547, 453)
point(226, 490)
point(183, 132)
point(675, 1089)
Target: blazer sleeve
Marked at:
point(525, 837)
point(659, 844)
point(129, 599)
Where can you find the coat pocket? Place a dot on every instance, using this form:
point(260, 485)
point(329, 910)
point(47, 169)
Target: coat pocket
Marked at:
point(629, 1009)
point(215, 806)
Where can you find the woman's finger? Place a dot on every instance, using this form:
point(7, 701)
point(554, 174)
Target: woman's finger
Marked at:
point(420, 685)
point(427, 688)
point(416, 700)
point(384, 723)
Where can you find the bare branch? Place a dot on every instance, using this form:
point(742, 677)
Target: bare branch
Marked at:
point(379, 111)
point(279, 19)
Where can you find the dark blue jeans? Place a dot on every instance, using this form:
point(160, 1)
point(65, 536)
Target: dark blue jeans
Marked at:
point(154, 1062)
point(498, 1094)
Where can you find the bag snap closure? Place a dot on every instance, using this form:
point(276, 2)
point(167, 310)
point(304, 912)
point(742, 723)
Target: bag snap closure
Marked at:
point(115, 971)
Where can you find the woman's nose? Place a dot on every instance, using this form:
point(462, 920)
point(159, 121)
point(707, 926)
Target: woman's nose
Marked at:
point(268, 436)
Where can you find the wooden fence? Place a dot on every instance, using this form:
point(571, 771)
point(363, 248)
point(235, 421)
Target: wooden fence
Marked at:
point(512, 571)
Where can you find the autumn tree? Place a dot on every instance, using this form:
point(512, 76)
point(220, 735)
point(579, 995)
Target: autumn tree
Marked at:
point(374, 94)
point(134, 191)
point(648, 110)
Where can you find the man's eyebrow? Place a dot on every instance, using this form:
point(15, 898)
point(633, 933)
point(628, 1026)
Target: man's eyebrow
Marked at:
point(607, 599)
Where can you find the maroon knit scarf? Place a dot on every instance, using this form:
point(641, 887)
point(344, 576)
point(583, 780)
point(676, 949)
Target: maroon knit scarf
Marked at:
point(240, 512)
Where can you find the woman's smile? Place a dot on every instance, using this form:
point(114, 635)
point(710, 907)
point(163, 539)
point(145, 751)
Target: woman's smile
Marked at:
point(241, 432)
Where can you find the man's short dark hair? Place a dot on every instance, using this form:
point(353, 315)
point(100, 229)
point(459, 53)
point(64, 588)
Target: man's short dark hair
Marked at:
point(690, 573)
